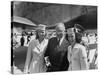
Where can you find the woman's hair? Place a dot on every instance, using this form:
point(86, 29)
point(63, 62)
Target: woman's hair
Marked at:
point(78, 37)
point(37, 36)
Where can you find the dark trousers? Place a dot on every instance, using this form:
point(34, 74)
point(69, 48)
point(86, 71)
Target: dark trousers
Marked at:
point(55, 69)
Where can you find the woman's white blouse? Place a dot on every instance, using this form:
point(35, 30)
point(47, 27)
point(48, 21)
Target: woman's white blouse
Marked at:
point(77, 57)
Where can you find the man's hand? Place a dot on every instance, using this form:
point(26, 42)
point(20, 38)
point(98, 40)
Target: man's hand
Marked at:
point(47, 61)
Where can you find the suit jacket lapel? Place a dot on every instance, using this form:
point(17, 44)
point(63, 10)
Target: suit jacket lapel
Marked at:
point(63, 45)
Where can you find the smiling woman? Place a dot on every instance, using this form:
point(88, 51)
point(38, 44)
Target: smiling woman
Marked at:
point(35, 56)
point(77, 54)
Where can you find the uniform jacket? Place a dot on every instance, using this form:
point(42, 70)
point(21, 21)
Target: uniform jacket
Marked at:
point(35, 62)
point(77, 57)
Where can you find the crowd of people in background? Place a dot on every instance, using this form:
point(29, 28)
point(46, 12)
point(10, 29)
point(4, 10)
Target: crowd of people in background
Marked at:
point(69, 50)
point(21, 39)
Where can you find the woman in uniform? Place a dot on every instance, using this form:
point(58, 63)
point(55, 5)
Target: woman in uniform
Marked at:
point(77, 55)
point(35, 55)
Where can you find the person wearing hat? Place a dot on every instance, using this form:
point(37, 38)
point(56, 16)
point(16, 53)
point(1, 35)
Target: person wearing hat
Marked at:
point(57, 50)
point(35, 61)
point(77, 55)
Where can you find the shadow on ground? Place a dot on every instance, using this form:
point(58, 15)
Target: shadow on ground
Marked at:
point(20, 57)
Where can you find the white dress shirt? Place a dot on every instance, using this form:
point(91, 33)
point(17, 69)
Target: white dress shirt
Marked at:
point(61, 40)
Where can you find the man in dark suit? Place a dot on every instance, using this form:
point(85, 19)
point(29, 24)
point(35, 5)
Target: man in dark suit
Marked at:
point(57, 50)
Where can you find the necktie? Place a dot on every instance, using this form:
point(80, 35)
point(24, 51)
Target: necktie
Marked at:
point(58, 42)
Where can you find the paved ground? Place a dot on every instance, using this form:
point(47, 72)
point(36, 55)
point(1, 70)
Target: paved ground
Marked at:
point(19, 60)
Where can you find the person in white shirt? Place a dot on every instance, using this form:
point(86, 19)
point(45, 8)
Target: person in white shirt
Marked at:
point(35, 62)
point(77, 55)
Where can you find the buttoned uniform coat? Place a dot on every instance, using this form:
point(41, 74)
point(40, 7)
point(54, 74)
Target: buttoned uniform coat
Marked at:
point(35, 62)
point(77, 57)
point(57, 55)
